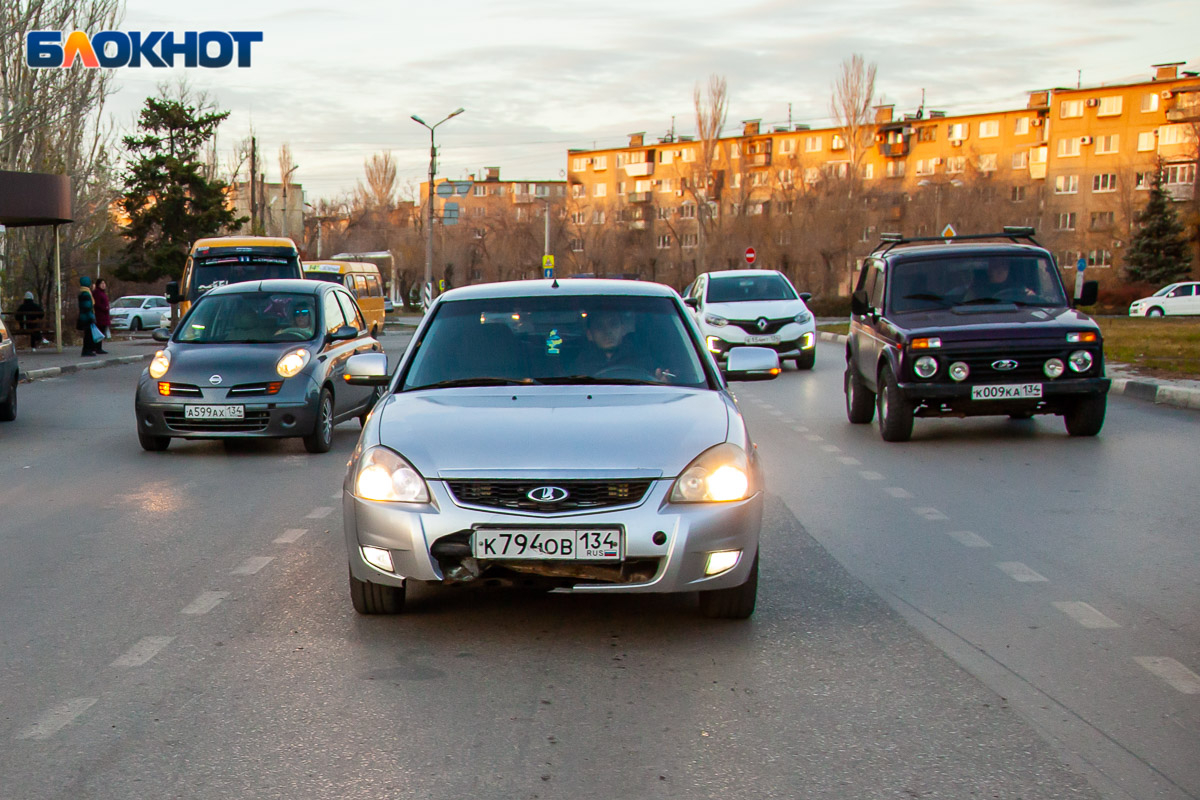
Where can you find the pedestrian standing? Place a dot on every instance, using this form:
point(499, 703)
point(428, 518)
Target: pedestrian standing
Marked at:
point(103, 319)
point(86, 321)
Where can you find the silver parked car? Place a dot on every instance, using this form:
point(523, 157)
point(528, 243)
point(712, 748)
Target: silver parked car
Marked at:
point(575, 435)
point(138, 312)
point(257, 359)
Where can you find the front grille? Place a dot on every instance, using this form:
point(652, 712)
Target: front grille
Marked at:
point(750, 326)
point(1030, 361)
point(253, 422)
point(255, 389)
point(183, 390)
point(582, 495)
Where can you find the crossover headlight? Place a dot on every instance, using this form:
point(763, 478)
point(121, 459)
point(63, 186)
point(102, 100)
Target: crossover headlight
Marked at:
point(715, 320)
point(385, 476)
point(1053, 367)
point(292, 362)
point(160, 364)
point(1080, 361)
point(720, 474)
point(925, 366)
point(803, 317)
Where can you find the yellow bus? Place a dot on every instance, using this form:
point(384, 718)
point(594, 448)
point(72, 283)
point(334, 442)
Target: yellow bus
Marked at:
point(361, 278)
point(221, 260)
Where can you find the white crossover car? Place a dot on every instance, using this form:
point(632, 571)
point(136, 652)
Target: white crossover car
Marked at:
point(1171, 300)
point(758, 307)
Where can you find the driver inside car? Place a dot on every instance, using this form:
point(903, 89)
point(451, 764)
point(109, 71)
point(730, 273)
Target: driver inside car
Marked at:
point(615, 350)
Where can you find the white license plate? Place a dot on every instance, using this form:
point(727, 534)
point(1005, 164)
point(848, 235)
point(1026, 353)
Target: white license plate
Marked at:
point(763, 339)
point(1014, 391)
point(214, 412)
point(558, 544)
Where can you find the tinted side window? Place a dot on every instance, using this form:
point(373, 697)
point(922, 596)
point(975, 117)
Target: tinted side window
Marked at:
point(880, 280)
point(374, 289)
point(350, 308)
point(866, 280)
point(333, 313)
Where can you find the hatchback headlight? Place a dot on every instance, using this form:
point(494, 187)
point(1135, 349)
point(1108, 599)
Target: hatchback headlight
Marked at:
point(1080, 361)
point(1053, 367)
point(160, 364)
point(803, 317)
point(292, 362)
point(720, 474)
point(925, 367)
point(385, 476)
point(715, 320)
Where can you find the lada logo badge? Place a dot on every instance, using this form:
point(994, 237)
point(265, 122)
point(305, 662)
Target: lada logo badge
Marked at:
point(215, 380)
point(547, 494)
point(1004, 364)
point(761, 324)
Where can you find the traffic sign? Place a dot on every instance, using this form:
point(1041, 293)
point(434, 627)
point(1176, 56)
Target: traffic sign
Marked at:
point(1081, 264)
point(949, 231)
point(750, 255)
point(548, 260)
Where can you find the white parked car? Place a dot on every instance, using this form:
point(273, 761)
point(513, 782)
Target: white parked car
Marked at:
point(1171, 300)
point(138, 312)
point(753, 307)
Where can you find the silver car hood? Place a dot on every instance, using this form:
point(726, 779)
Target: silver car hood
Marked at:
point(545, 431)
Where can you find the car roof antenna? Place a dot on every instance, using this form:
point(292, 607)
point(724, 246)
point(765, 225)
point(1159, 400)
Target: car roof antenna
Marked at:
point(555, 284)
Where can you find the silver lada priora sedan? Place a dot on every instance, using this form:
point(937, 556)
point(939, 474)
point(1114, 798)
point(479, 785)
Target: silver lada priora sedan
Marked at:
point(574, 435)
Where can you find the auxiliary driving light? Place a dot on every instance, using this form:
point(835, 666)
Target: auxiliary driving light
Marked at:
point(721, 561)
point(378, 558)
point(1053, 367)
point(925, 366)
point(1080, 361)
point(959, 371)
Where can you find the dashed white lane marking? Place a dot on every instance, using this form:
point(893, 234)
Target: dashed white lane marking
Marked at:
point(812, 437)
point(849, 461)
point(775, 412)
point(1085, 615)
point(143, 651)
point(1177, 675)
point(929, 514)
point(968, 539)
point(319, 512)
point(335, 496)
point(291, 535)
point(800, 429)
point(898, 493)
point(1019, 572)
point(57, 718)
point(252, 565)
point(870, 476)
point(831, 448)
point(204, 603)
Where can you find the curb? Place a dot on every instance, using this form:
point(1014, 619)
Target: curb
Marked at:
point(29, 376)
point(1161, 394)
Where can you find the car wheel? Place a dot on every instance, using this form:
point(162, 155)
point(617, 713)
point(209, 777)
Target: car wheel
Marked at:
point(734, 603)
point(374, 331)
point(860, 401)
point(1085, 417)
point(1154, 312)
point(135, 324)
point(807, 360)
point(895, 413)
point(321, 438)
point(151, 442)
point(375, 395)
point(375, 598)
point(8, 409)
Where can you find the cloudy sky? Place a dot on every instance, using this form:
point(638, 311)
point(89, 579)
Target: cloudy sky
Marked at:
point(337, 81)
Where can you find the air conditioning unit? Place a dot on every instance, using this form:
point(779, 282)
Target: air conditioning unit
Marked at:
point(1085, 140)
point(956, 142)
point(1093, 102)
point(1037, 122)
point(679, 192)
point(1166, 94)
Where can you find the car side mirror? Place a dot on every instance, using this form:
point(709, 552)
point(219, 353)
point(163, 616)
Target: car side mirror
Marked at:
point(806, 296)
point(367, 369)
point(172, 292)
point(752, 364)
point(160, 335)
point(691, 302)
point(343, 334)
point(858, 303)
point(1089, 294)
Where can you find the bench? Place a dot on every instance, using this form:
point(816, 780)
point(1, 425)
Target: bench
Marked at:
point(25, 323)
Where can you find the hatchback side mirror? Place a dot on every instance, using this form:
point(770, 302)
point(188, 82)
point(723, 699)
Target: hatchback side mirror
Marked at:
point(806, 296)
point(752, 364)
point(691, 302)
point(160, 335)
point(859, 304)
point(367, 369)
point(172, 293)
point(343, 334)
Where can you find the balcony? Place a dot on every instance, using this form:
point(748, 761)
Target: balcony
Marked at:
point(640, 170)
point(639, 197)
point(1180, 191)
point(894, 150)
point(759, 160)
point(523, 198)
point(637, 225)
point(1184, 114)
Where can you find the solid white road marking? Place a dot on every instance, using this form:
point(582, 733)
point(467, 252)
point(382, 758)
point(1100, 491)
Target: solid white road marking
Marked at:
point(870, 476)
point(968, 539)
point(252, 565)
point(1177, 675)
point(57, 718)
point(930, 514)
point(204, 603)
point(849, 461)
point(319, 512)
point(1085, 615)
point(143, 651)
point(898, 493)
point(291, 535)
point(1019, 572)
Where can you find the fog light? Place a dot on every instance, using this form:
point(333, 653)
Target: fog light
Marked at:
point(925, 366)
point(378, 558)
point(807, 341)
point(722, 561)
point(959, 371)
point(1080, 361)
point(712, 344)
point(1053, 367)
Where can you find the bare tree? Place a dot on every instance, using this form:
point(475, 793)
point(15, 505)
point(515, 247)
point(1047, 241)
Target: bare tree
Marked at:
point(853, 96)
point(711, 111)
point(379, 192)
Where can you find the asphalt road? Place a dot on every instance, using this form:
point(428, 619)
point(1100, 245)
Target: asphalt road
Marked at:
point(178, 625)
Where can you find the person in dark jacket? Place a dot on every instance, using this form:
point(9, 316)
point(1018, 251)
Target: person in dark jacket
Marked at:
point(32, 317)
point(103, 319)
point(87, 317)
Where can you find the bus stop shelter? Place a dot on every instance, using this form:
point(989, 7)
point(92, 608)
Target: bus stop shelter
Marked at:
point(35, 198)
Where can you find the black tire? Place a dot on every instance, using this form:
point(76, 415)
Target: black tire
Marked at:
point(1154, 312)
point(807, 360)
point(321, 438)
point(1021, 415)
point(8, 409)
point(1085, 417)
point(895, 413)
point(860, 401)
point(736, 602)
point(135, 324)
point(374, 331)
point(375, 598)
point(150, 442)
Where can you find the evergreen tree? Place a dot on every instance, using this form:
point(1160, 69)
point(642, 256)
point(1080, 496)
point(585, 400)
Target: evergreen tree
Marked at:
point(169, 196)
point(1158, 252)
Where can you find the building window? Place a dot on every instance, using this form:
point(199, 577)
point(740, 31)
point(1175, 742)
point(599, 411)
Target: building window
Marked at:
point(735, 150)
point(664, 212)
point(1018, 194)
point(956, 131)
point(760, 178)
point(576, 245)
point(664, 241)
point(1020, 160)
point(542, 190)
point(687, 211)
point(926, 166)
point(1143, 180)
point(756, 209)
point(783, 238)
point(868, 171)
point(1179, 174)
point(785, 177)
point(480, 191)
point(956, 164)
point(1104, 183)
point(1066, 221)
point(620, 188)
point(1109, 106)
point(665, 185)
point(895, 169)
point(812, 174)
point(1146, 139)
point(1070, 108)
point(578, 164)
point(1099, 258)
point(928, 133)
point(812, 144)
point(987, 162)
point(1037, 155)
point(989, 128)
point(666, 156)
point(1150, 102)
point(689, 154)
point(689, 240)
point(787, 207)
point(600, 190)
point(498, 191)
point(643, 186)
point(1066, 184)
point(836, 142)
point(737, 180)
point(1068, 147)
point(1107, 145)
point(478, 211)
point(579, 218)
point(578, 190)
point(1102, 220)
point(787, 146)
point(1174, 134)
point(1021, 126)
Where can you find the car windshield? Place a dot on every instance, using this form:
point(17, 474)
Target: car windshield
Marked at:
point(221, 270)
point(566, 339)
point(250, 318)
point(932, 283)
point(747, 288)
point(128, 302)
point(1164, 290)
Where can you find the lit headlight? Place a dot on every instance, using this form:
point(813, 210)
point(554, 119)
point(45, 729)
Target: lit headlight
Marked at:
point(1080, 361)
point(959, 371)
point(718, 475)
point(292, 362)
point(1053, 367)
point(925, 366)
point(158, 367)
point(803, 317)
point(716, 321)
point(383, 475)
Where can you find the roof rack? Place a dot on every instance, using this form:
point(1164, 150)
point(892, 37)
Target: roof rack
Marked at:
point(1013, 233)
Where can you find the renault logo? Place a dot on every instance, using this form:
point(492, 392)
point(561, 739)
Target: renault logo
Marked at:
point(215, 380)
point(761, 324)
point(547, 494)
point(1004, 364)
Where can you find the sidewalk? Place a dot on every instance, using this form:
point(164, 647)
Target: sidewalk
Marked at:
point(46, 363)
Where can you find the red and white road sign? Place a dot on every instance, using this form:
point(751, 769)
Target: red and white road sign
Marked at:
point(750, 255)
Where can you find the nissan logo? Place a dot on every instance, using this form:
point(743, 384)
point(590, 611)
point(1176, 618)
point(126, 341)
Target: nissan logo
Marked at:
point(1004, 364)
point(547, 494)
point(761, 324)
point(215, 380)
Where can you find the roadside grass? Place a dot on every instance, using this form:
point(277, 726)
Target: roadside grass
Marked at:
point(835, 327)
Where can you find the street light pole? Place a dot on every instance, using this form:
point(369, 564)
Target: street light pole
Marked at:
point(427, 294)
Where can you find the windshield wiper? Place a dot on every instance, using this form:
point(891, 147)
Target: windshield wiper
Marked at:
point(591, 379)
point(476, 382)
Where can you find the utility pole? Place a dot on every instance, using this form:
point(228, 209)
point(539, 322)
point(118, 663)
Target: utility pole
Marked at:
point(253, 181)
point(427, 293)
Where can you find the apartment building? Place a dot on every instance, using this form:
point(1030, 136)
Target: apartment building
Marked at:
point(474, 202)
